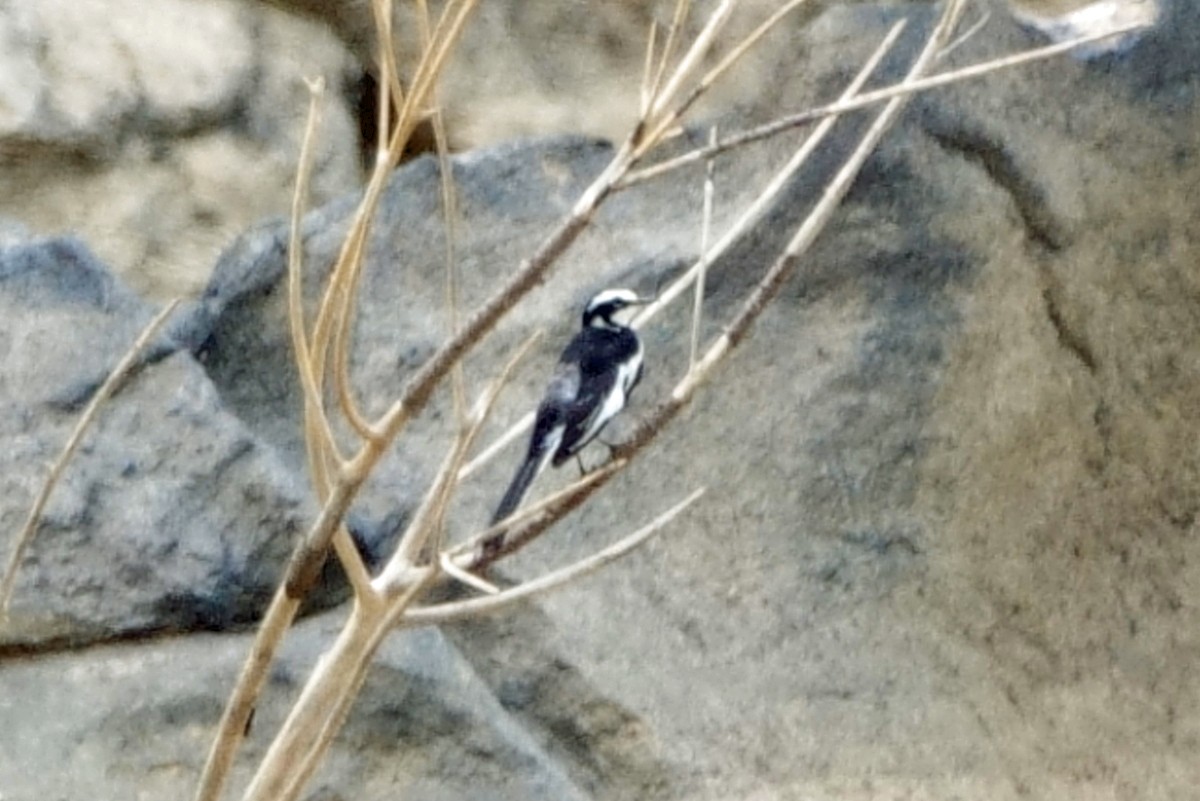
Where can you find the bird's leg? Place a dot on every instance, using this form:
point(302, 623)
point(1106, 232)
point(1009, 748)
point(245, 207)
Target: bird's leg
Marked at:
point(612, 448)
point(579, 461)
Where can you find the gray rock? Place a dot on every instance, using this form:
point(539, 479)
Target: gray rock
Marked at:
point(172, 515)
point(948, 548)
point(84, 74)
point(136, 720)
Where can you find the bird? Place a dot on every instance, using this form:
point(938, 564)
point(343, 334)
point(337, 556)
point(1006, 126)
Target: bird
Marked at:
point(591, 383)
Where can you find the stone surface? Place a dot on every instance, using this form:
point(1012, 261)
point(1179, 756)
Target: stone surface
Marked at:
point(134, 721)
point(172, 515)
point(949, 546)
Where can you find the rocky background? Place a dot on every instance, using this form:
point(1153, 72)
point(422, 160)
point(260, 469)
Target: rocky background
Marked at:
point(949, 546)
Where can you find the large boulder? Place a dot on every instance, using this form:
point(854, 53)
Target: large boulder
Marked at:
point(949, 544)
point(172, 516)
point(136, 721)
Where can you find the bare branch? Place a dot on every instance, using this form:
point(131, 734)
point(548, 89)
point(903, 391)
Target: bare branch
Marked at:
point(105, 391)
point(436, 499)
point(662, 117)
point(389, 78)
point(452, 278)
point(966, 35)
point(316, 95)
point(463, 576)
point(868, 99)
point(341, 356)
point(538, 515)
point(771, 191)
point(735, 55)
point(507, 438)
point(646, 91)
point(474, 607)
point(319, 437)
point(747, 219)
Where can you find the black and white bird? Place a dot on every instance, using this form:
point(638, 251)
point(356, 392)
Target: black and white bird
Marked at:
point(591, 384)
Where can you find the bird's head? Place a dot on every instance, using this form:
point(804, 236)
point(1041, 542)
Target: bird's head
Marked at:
point(603, 308)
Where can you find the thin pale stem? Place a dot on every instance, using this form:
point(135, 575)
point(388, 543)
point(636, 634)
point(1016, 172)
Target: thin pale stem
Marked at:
point(341, 357)
point(383, 88)
point(645, 94)
point(966, 36)
point(682, 7)
point(453, 301)
point(465, 577)
point(449, 217)
point(319, 437)
point(320, 443)
point(705, 230)
point(510, 436)
point(105, 391)
point(386, 35)
point(690, 62)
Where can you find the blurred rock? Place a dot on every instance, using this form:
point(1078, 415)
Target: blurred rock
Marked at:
point(159, 136)
point(136, 722)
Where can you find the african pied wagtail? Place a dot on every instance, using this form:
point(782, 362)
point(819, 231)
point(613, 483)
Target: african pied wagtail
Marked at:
point(591, 383)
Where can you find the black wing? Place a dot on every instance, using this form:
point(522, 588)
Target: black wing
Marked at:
point(598, 353)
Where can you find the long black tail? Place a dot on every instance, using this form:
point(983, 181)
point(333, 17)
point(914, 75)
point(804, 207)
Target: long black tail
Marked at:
point(532, 465)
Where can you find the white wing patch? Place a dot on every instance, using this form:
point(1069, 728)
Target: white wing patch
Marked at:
point(552, 441)
point(564, 384)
